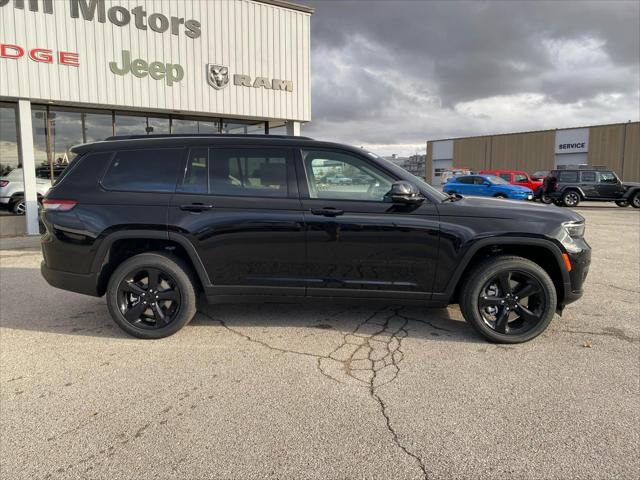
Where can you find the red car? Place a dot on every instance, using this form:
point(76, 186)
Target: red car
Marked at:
point(518, 177)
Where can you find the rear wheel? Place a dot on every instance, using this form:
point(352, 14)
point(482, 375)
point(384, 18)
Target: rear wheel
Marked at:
point(152, 295)
point(622, 203)
point(570, 198)
point(508, 299)
point(635, 200)
point(19, 206)
point(500, 195)
point(545, 198)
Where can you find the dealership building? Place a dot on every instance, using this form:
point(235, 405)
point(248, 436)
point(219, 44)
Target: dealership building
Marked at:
point(76, 71)
point(616, 146)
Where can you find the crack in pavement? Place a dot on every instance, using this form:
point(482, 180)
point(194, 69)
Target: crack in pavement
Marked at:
point(368, 356)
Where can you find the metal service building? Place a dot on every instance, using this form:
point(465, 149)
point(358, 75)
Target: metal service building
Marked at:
point(616, 146)
point(75, 71)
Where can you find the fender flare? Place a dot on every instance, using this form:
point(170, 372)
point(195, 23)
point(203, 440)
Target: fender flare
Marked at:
point(108, 241)
point(577, 189)
point(630, 193)
point(519, 241)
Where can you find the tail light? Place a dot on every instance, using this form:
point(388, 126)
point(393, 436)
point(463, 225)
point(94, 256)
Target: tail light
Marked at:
point(4, 183)
point(59, 205)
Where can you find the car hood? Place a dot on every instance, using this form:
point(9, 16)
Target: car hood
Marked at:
point(631, 184)
point(487, 207)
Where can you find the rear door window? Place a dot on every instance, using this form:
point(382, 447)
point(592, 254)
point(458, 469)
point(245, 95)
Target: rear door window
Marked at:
point(259, 172)
point(588, 176)
point(568, 176)
point(153, 170)
point(196, 172)
point(467, 180)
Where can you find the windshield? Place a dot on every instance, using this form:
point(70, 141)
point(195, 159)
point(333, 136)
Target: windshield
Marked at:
point(420, 183)
point(496, 180)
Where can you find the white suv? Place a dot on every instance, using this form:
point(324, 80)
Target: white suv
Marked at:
point(12, 191)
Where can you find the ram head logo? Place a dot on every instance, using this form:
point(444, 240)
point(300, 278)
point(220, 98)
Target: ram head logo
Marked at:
point(217, 76)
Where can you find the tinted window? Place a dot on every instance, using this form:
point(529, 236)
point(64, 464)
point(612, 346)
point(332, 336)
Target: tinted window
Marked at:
point(342, 176)
point(479, 180)
point(506, 176)
point(466, 180)
point(143, 170)
point(196, 172)
point(568, 176)
point(249, 172)
point(588, 176)
point(607, 177)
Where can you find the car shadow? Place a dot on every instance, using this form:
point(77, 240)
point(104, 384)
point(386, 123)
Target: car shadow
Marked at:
point(65, 313)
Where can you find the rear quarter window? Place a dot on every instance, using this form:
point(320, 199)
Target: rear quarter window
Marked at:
point(154, 170)
point(568, 176)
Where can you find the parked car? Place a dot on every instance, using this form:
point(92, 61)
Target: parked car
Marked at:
point(518, 177)
point(487, 186)
point(454, 172)
point(12, 191)
point(153, 221)
point(568, 187)
point(339, 179)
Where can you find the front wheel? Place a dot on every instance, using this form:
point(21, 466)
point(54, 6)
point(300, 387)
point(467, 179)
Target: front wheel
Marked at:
point(635, 200)
point(622, 203)
point(508, 299)
point(500, 195)
point(546, 199)
point(152, 295)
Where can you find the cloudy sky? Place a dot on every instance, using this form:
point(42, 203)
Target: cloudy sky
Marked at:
point(390, 75)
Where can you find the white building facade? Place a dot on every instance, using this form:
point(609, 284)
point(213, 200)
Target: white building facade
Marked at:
point(75, 71)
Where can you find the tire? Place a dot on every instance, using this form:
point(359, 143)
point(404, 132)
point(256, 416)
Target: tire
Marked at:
point(500, 195)
point(159, 319)
point(480, 287)
point(570, 199)
point(19, 206)
point(635, 200)
point(545, 198)
point(622, 203)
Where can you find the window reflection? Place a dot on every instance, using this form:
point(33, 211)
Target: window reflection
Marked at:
point(179, 125)
point(157, 125)
point(130, 125)
point(243, 128)
point(65, 132)
point(97, 126)
point(9, 158)
point(39, 125)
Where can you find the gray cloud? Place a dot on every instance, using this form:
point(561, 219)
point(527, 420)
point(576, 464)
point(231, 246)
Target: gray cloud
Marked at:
point(399, 72)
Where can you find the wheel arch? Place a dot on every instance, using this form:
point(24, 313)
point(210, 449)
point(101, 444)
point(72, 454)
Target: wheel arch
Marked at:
point(578, 190)
point(118, 246)
point(543, 252)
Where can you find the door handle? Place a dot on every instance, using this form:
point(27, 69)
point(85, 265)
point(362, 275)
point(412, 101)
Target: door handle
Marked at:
point(195, 207)
point(327, 212)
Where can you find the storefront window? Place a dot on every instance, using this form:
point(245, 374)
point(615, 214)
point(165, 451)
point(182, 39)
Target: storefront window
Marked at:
point(130, 125)
point(9, 157)
point(65, 132)
point(243, 128)
point(157, 125)
point(39, 125)
point(277, 128)
point(97, 126)
point(179, 125)
point(208, 127)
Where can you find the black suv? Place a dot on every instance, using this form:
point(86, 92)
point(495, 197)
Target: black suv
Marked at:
point(154, 221)
point(567, 187)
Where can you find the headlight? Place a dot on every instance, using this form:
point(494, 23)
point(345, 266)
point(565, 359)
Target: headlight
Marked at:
point(574, 229)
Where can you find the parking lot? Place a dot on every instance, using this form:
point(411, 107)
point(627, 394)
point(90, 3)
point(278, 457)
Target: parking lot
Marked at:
point(298, 391)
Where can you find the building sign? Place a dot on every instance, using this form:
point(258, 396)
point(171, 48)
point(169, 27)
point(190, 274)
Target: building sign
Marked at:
point(120, 16)
point(218, 78)
point(170, 72)
point(575, 140)
point(41, 55)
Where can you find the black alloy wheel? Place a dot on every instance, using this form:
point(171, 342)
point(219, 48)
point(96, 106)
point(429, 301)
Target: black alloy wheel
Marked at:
point(508, 299)
point(152, 295)
point(570, 198)
point(149, 298)
point(512, 302)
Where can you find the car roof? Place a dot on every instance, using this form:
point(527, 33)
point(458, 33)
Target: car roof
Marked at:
point(159, 141)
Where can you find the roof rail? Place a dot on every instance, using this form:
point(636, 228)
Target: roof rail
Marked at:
point(204, 135)
point(582, 167)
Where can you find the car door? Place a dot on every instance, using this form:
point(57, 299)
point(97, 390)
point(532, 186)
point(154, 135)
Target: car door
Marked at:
point(358, 244)
point(608, 185)
point(588, 184)
point(478, 186)
point(240, 209)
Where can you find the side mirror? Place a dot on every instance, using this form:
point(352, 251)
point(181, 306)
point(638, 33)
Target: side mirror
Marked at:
point(405, 193)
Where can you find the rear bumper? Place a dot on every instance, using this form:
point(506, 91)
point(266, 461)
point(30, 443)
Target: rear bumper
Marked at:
point(74, 282)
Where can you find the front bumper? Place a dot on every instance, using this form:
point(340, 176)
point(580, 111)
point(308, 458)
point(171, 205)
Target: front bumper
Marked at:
point(75, 282)
point(574, 288)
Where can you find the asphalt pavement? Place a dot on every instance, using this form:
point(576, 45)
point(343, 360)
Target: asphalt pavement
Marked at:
point(323, 391)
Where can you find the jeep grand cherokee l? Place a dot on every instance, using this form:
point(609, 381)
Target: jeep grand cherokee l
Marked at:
point(152, 222)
